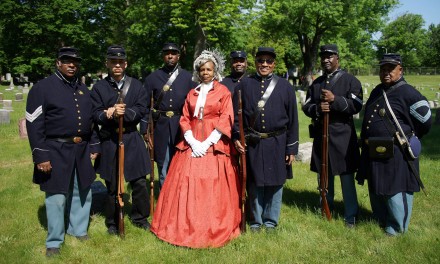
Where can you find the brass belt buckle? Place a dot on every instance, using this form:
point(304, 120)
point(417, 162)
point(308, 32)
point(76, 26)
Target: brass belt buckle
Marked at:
point(264, 135)
point(169, 114)
point(77, 140)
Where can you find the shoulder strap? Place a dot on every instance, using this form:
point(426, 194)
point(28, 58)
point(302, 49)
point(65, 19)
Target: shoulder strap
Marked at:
point(264, 98)
point(393, 130)
point(166, 87)
point(334, 79)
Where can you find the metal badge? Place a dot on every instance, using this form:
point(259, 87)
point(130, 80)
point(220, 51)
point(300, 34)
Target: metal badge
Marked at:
point(381, 149)
point(166, 87)
point(382, 112)
point(260, 103)
point(80, 92)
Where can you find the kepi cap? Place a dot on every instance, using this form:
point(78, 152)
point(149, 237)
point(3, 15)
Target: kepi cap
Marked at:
point(238, 54)
point(266, 50)
point(329, 48)
point(170, 46)
point(116, 52)
point(391, 58)
point(70, 52)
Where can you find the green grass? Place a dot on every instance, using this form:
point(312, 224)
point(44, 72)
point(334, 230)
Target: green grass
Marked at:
point(303, 235)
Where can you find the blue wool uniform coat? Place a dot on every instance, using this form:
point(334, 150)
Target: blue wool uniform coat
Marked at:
point(58, 109)
point(343, 148)
point(266, 160)
point(391, 176)
point(166, 129)
point(137, 160)
point(231, 82)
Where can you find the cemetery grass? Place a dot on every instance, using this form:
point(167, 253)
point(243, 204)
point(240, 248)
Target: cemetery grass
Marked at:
point(303, 235)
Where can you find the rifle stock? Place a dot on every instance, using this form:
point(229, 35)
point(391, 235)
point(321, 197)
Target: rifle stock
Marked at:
point(121, 178)
point(243, 172)
point(323, 180)
point(151, 139)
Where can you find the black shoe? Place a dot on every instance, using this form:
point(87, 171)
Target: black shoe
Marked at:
point(270, 229)
point(50, 252)
point(112, 230)
point(145, 226)
point(255, 229)
point(83, 238)
point(350, 225)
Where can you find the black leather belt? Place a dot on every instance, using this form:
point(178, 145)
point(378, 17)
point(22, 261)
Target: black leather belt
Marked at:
point(76, 139)
point(168, 113)
point(127, 129)
point(270, 134)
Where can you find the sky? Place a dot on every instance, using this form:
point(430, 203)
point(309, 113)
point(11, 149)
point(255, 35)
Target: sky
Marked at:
point(429, 9)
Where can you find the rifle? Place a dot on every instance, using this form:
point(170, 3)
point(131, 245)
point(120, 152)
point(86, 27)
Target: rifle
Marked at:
point(323, 179)
point(151, 140)
point(120, 178)
point(242, 165)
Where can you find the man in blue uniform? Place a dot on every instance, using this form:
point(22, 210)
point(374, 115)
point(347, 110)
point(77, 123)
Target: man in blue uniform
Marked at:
point(392, 179)
point(238, 70)
point(106, 110)
point(59, 124)
point(169, 86)
point(340, 94)
point(271, 125)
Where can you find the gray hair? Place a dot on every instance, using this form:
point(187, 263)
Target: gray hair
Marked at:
point(207, 55)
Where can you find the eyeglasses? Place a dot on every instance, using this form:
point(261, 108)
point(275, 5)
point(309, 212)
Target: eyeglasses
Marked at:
point(268, 61)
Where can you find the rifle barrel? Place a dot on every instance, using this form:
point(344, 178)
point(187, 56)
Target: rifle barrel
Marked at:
point(323, 180)
point(243, 172)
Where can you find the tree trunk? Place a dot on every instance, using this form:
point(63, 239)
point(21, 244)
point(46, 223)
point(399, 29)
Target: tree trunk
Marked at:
point(200, 41)
point(309, 51)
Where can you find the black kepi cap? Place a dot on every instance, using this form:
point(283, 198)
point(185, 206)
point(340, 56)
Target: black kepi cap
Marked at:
point(116, 52)
point(391, 58)
point(238, 54)
point(266, 50)
point(170, 46)
point(69, 52)
point(329, 48)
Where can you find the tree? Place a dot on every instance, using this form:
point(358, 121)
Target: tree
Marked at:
point(33, 30)
point(311, 21)
point(433, 54)
point(406, 36)
point(193, 24)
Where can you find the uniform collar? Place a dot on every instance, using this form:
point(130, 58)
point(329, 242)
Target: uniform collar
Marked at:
point(330, 75)
point(119, 84)
point(62, 78)
point(170, 71)
point(261, 78)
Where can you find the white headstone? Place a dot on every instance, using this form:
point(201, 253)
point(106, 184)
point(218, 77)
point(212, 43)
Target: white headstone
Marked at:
point(8, 76)
point(25, 90)
point(19, 97)
point(431, 104)
point(304, 152)
point(356, 116)
point(7, 104)
point(365, 91)
point(4, 116)
point(437, 95)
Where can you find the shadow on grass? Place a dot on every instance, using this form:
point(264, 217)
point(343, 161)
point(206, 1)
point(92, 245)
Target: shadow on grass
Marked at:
point(309, 201)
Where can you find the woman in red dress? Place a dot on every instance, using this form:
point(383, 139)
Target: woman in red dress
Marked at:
point(198, 206)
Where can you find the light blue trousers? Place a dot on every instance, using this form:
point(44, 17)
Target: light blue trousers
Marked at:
point(265, 205)
point(351, 206)
point(75, 205)
point(393, 211)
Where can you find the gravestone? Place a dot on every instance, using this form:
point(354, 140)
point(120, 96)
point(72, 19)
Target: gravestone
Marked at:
point(304, 152)
point(431, 104)
point(22, 131)
point(436, 104)
point(7, 105)
point(19, 97)
point(365, 90)
point(1, 97)
point(5, 116)
point(437, 95)
point(356, 116)
point(25, 90)
point(8, 76)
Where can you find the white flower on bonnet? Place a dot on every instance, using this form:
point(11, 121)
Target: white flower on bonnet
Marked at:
point(210, 55)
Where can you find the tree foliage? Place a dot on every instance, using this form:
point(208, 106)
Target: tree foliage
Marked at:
point(406, 36)
point(311, 22)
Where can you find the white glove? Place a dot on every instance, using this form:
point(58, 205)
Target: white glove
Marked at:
point(196, 146)
point(213, 138)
